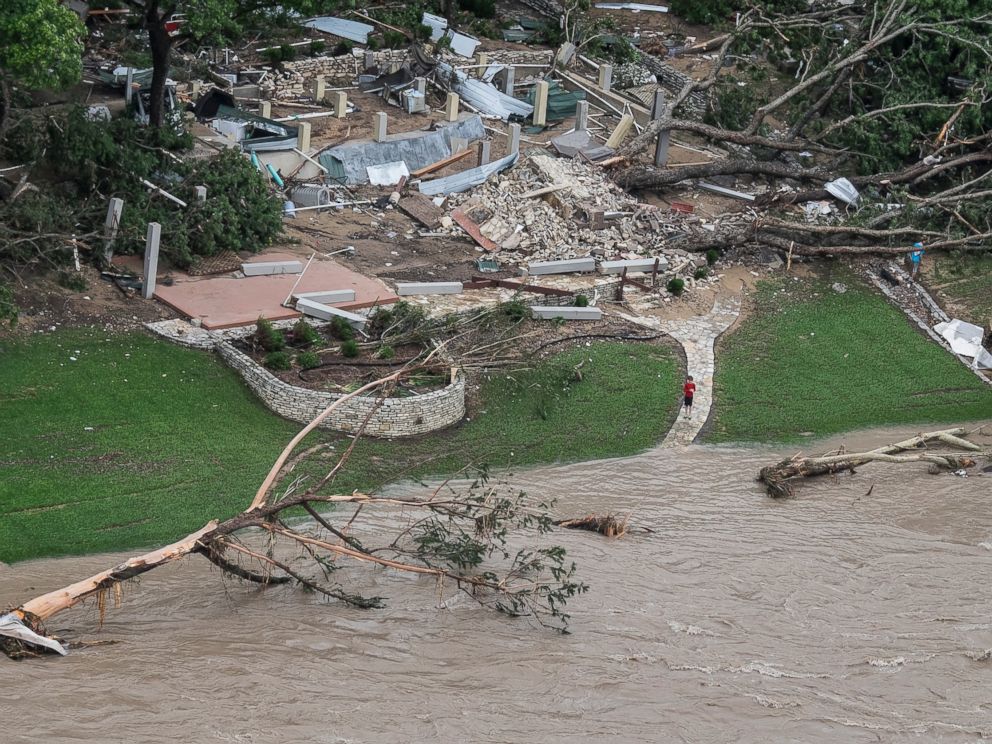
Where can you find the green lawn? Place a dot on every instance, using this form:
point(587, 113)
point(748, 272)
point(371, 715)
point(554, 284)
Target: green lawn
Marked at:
point(134, 444)
point(963, 283)
point(812, 361)
point(624, 404)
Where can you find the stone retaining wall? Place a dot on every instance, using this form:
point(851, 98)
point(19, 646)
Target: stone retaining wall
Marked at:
point(390, 418)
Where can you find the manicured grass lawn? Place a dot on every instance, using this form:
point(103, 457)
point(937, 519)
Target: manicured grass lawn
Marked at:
point(134, 444)
point(810, 360)
point(624, 404)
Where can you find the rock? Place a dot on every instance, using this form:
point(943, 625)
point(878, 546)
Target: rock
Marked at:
point(838, 287)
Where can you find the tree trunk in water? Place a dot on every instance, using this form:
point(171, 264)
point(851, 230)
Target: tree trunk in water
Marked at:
point(161, 46)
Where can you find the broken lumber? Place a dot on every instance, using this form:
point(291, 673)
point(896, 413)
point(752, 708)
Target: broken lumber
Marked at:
point(440, 164)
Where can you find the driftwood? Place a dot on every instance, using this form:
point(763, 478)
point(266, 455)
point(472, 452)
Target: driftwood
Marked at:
point(605, 524)
point(779, 478)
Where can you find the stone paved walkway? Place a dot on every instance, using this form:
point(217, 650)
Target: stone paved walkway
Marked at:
point(698, 337)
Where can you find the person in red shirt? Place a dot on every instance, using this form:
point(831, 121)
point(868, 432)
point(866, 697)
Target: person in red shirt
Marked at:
point(688, 391)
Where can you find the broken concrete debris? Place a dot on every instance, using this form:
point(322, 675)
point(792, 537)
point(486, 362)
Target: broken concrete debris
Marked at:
point(328, 297)
point(404, 289)
point(325, 312)
point(264, 268)
point(566, 266)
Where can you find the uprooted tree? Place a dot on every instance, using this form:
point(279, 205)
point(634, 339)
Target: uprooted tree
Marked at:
point(893, 95)
point(473, 538)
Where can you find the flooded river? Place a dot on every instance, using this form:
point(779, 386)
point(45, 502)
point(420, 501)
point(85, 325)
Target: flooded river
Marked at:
point(834, 617)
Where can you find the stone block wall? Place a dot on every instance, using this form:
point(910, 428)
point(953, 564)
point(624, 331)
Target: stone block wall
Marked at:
point(391, 418)
point(293, 81)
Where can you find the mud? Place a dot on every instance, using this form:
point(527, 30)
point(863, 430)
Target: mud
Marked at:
point(835, 616)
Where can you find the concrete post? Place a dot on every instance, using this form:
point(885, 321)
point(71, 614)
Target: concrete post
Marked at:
point(265, 109)
point(201, 193)
point(485, 147)
point(369, 60)
point(541, 104)
point(451, 107)
point(664, 137)
point(110, 226)
point(194, 89)
point(340, 104)
point(317, 88)
point(605, 76)
point(420, 85)
point(514, 145)
point(152, 238)
point(508, 83)
point(483, 62)
point(303, 138)
point(129, 85)
point(379, 127)
point(658, 105)
point(581, 116)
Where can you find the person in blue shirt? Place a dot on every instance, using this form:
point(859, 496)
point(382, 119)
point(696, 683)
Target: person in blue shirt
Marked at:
point(915, 256)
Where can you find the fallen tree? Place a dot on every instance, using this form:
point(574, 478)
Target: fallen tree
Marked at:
point(779, 479)
point(459, 537)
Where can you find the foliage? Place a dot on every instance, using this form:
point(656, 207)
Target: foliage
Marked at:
point(581, 300)
point(515, 310)
point(810, 361)
point(701, 273)
point(349, 349)
point(400, 320)
point(712, 256)
point(278, 360)
point(341, 329)
point(385, 352)
point(267, 336)
point(733, 103)
point(318, 47)
point(8, 308)
point(157, 453)
point(305, 334)
point(40, 44)
point(709, 12)
point(72, 281)
point(393, 39)
point(676, 285)
point(479, 8)
point(342, 48)
point(308, 359)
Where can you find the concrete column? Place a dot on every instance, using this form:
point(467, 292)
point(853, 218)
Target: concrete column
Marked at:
point(201, 193)
point(485, 147)
point(451, 107)
point(605, 76)
point(664, 138)
point(110, 226)
point(483, 61)
point(369, 60)
point(581, 116)
point(541, 104)
point(152, 238)
point(658, 105)
point(317, 89)
point(514, 135)
point(303, 138)
point(194, 89)
point(420, 85)
point(265, 109)
point(340, 104)
point(129, 85)
point(508, 83)
point(379, 127)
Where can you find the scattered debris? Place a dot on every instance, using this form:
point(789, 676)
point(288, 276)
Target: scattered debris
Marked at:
point(965, 339)
point(605, 524)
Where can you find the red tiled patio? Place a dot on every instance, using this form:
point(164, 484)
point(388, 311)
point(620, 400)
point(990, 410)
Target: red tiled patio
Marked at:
point(226, 301)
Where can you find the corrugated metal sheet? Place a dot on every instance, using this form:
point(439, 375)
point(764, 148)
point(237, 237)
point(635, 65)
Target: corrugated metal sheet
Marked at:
point(484, 96)
point(255, 133)
point(466, 179)
point(351, 30)
point(636, 7)
point(348, 163)
point(438, 25)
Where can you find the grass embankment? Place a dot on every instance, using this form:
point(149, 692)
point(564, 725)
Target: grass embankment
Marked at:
point(810, 361)
point(134, 444)
point(963, 284)
point(624, 404)
point(138, 441)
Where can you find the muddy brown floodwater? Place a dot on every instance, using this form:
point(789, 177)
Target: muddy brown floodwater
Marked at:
point(834, 617)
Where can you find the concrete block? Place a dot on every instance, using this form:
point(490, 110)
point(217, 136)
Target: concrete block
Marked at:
point(605, 76)
point(340, 104)
point(420, 85)
point(581, 116)
point(303, 137)
point(568, 266)
point(201, 193)
point(540, 117)
point(483, 62)
point(327, 297)
point(451, 108)
point(379, 127)
point(152, 238)
point(547, 312)
point(508, 81)
point(265, 109)
point(326, 312)
point(514, 136)
point(485, 148)
point(264, 268)
point(404, 289)
point(317, 89)
point(645, 265)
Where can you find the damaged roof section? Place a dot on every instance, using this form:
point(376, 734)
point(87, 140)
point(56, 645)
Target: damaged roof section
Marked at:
point(349, 163)
point(466, 179)
point(483, 96)
point(350, 30)
point(254, 133)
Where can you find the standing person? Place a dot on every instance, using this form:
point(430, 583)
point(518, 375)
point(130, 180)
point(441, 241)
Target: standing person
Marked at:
point(915, 256)
point(688, 391)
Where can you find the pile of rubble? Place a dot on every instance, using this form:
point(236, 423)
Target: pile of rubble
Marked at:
point(577, 211)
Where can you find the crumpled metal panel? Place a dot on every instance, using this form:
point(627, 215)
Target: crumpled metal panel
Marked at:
point(484, 96)
point(351, 30)
point(466, 179)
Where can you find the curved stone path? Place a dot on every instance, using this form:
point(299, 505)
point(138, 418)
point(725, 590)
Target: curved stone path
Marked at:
point(698, 337)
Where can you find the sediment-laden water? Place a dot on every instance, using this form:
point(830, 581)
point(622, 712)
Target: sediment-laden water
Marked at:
point(833, 617)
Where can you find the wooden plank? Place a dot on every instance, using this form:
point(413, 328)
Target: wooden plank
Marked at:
point(468, 225)
point(441, 163)
point(545, 190)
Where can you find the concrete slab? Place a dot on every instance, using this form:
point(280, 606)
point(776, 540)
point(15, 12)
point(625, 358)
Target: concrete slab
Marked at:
point(634, 264)
point(263, 268)
point(404, 289)
point(328, 297)
point(228, 301)
point(547, 312)
point(567, 266)
point(326, 312)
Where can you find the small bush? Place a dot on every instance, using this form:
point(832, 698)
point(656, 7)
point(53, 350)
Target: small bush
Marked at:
point(72, 280)
point(701, 273)
point(342, 48)
point(581, 301)
point(268, 337)
point(307, 359)
point(341, 329)
point(273, 55)
point(349, 349)
point(287, 52)
point(277, 360)
point(676, 286)
point(317, 47)
point(304, 334)
point(712, 255)
point(385, 352)
point(515, 310)
point(393, 40)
